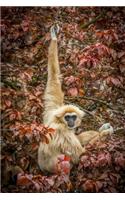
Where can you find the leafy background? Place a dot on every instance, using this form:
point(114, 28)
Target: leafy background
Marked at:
point(92, 61)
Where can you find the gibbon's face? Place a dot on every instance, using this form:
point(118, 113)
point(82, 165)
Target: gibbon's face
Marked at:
point(72, 120)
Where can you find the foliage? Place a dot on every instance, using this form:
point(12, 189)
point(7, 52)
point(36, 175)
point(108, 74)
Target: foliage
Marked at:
point(102, 168)
point(92, 61)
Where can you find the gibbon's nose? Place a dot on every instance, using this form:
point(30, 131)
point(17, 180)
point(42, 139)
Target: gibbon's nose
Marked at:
point(71, 123)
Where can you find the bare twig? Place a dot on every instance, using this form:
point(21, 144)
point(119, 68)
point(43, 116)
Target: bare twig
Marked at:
point(93, 20)
point(90, 98)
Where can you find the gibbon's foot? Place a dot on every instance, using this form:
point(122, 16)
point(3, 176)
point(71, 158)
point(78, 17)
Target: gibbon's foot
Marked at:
point(54, 31)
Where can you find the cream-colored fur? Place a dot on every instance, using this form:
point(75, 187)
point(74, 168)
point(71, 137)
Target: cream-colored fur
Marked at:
point(90, 137)
point(64, 141)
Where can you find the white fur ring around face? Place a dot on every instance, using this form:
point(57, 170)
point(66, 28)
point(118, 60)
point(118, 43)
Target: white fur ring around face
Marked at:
point(106, 126)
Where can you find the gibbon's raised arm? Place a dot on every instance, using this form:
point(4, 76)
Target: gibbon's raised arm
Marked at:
point(53, 95)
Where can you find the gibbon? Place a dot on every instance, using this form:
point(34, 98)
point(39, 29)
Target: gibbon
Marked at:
point(63, 118)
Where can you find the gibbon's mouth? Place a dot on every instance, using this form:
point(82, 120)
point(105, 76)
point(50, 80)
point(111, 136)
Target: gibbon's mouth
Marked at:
point(71, 126)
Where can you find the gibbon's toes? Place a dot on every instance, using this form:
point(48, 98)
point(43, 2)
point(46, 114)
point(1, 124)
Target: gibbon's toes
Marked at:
point(54, 31)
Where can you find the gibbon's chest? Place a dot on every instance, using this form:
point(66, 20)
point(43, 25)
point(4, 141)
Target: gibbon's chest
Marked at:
point(64, 140)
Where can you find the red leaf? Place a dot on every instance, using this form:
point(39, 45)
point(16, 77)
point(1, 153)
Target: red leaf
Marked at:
point(69, 80)
point(67, 158)
point(63, 165)
point(82, 61)
point(23, 180)
point(12, 116)
point(89, 186)
point(120, 160)
point(63, 157)
point(121, 54)
point(98, 185)
point(25, 25)
point(115, 81)
point(50, 181)
point(73, 91)
point(8, 103)
point(122, 68)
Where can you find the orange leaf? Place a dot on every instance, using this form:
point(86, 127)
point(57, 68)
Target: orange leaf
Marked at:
point(23, 180)
point(81, 92)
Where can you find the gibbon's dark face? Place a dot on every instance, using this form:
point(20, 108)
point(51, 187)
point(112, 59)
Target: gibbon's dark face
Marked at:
point(71, 120)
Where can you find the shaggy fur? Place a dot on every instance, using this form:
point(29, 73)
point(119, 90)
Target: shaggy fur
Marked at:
point(64, 140)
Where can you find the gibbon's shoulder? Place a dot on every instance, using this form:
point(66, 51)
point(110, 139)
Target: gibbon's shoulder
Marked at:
point(68, 109)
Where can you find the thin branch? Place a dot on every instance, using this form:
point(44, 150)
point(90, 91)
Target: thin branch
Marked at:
point(93, 20)
point(89, 98)
point(100, 101)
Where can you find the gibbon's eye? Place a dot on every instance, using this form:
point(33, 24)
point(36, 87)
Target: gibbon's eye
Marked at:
point(74, 117)
point(67, 117)
point(70, 117)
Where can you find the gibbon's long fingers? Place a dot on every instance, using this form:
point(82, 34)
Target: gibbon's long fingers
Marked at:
point(54, 31)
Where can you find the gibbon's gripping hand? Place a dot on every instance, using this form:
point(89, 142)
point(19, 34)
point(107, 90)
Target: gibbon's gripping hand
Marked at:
point(106, 127)
point(54, 31)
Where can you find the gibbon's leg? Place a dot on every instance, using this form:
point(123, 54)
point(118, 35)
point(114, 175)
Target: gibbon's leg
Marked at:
point(90, 137)
point(47, 162)
point(53, 95)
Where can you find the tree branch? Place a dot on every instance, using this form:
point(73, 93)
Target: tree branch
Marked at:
point(93, 20)
point(99, 101)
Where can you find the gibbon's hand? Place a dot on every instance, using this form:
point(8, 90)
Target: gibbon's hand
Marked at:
point(54, 31)
point(106, 126)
